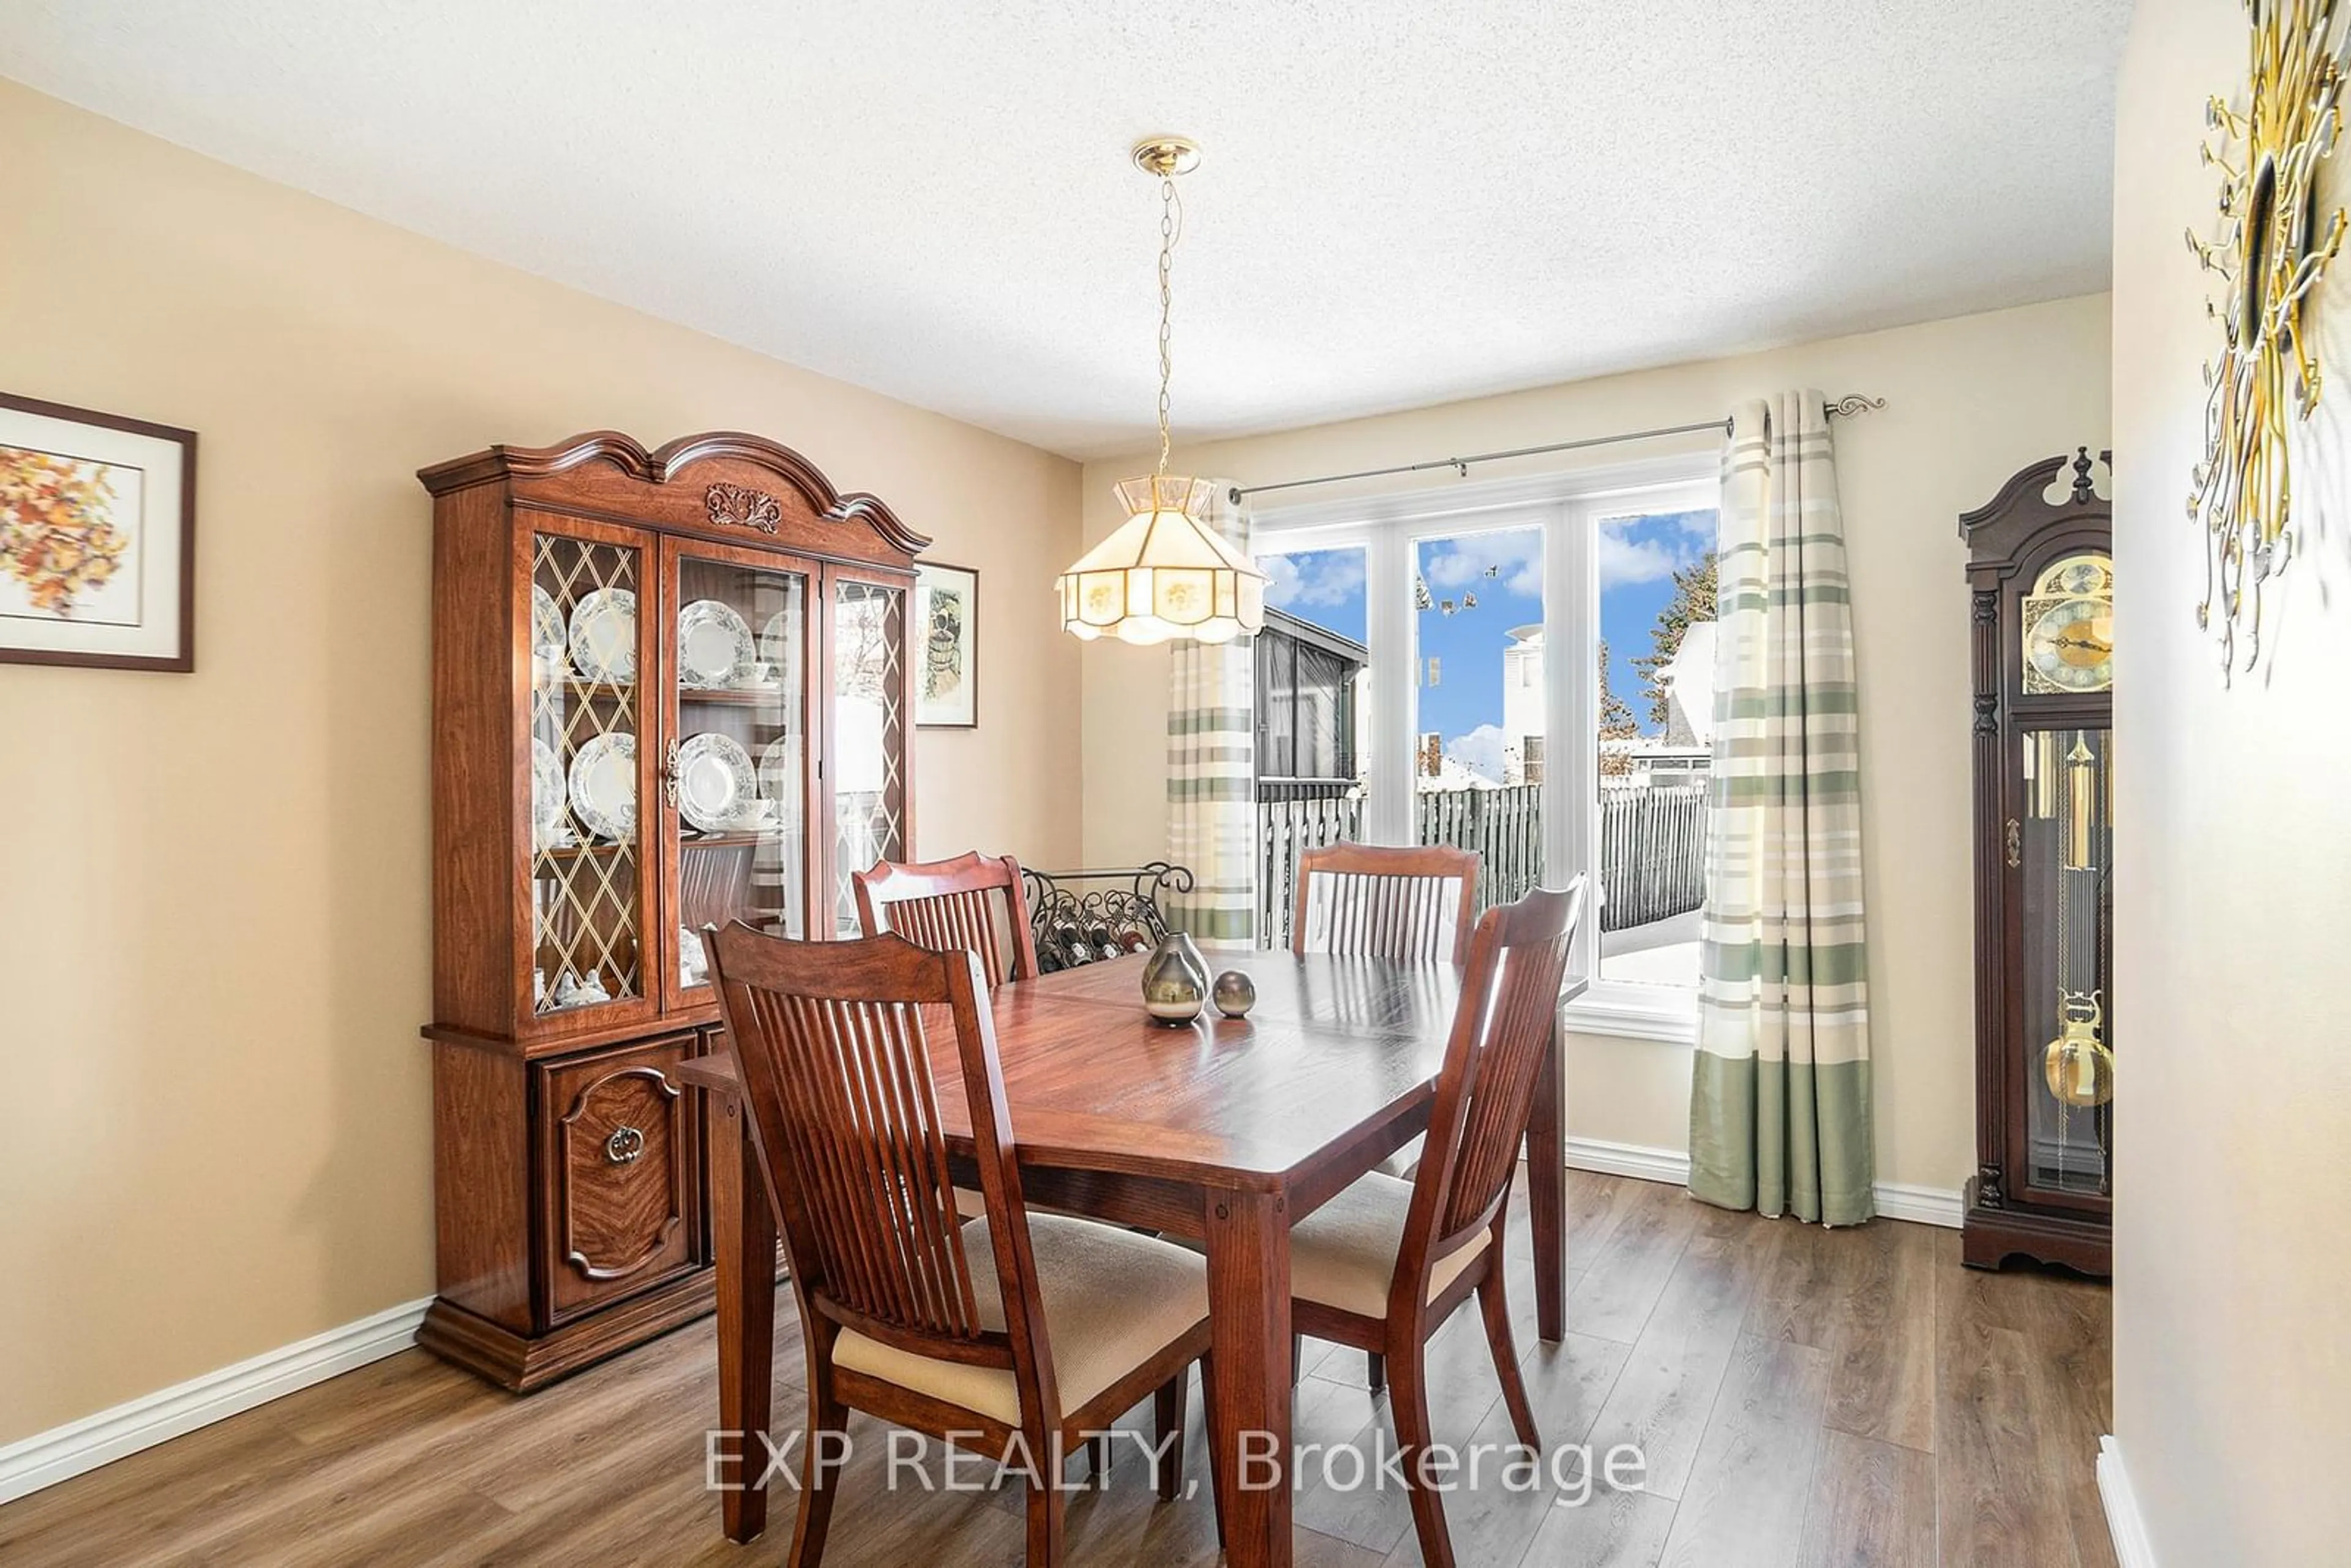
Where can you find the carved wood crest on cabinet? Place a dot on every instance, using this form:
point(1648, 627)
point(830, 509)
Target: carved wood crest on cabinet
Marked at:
point(670, 688)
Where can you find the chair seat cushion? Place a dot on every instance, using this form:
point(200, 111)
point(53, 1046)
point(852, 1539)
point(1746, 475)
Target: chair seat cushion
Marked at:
point(1344, 1255)
point(1112, 1300)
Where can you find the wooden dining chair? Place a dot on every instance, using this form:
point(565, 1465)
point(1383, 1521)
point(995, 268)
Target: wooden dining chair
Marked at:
point(974, 901)
point(1383, 1265)
point(1378, 902)
point(1022, 1328)
point(1381, 901)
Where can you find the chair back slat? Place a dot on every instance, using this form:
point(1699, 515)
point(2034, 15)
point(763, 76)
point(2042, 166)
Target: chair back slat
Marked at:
point(953, 921)
point(862, 1145)
point(1502, 1027)
point(832, 1040)
point(974, 903)
point(1371, 901)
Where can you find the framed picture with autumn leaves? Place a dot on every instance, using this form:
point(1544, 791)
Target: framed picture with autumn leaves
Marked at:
point(98, 539)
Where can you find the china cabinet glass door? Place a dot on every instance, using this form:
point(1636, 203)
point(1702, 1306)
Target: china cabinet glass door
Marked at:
point(868, 734)
point(588, 896)
point(2060, 852)
point(736, 769)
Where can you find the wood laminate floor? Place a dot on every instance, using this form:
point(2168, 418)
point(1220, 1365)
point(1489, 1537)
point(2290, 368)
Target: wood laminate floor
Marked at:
point(1801, 1397)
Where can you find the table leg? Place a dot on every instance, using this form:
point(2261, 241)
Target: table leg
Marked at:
point(743, 1235)
point(1249, 1306)
point(1547, 1192)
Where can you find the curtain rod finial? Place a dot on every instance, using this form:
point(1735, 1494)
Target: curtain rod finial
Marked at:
point(1853, 403)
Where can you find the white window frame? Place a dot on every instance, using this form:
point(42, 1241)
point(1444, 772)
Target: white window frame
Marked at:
point(1569, 507)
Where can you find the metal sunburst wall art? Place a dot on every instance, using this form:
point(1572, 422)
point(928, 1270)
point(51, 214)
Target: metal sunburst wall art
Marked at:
point(2273, 249)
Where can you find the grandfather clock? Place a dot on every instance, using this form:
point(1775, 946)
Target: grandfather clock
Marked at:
point(2042, 575)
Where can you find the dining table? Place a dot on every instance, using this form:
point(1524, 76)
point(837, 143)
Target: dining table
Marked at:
point(1222, 1131)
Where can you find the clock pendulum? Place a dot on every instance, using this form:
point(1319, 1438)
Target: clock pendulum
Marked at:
point(2078, 1065)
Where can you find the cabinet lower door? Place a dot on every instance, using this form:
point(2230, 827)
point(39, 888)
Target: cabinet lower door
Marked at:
point(620, 1160)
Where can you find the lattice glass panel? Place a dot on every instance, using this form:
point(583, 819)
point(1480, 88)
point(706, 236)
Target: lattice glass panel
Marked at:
point(587, 881)
point(869, 737)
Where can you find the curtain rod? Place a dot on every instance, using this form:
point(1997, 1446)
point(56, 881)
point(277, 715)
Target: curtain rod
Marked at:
point(1850, 404)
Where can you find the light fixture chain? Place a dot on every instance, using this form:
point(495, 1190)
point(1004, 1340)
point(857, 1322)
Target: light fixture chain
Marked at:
point(1166, 268)
point(1166, 573)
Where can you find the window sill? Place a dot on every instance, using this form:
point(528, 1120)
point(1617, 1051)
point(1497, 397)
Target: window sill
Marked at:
point(1667, 1014)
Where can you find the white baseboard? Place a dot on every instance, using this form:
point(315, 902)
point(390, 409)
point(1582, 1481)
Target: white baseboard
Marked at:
point(1633, 1160)
point(1942, 1205)
point(1896, 1200)
point(2124, 1522)
point(63, 1452)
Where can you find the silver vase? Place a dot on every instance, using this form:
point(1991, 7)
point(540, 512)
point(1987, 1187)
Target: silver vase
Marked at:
point(1175, 981)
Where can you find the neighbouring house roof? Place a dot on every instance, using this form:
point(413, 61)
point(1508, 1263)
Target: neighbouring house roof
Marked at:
point(1322, 637)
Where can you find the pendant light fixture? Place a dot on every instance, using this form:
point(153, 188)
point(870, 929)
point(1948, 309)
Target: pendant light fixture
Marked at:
point(1165, 573)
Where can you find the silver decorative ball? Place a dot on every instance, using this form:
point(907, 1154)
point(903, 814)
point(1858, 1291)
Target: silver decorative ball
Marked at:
point(1235, 993)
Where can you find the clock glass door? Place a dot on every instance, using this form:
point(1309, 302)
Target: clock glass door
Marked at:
point(2060, 854)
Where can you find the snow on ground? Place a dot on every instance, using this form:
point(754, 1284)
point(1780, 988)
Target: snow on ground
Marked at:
point(1662, 953)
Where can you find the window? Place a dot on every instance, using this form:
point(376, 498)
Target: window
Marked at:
point(1466, 606)
point(1656, 721)
point(1312, 689)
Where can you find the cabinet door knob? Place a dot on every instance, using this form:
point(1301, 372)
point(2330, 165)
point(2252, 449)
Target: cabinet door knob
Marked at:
point(669, 772)
point(2015, 843)
point(624, 1147)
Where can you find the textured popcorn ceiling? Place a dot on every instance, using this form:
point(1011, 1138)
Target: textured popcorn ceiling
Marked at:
point(1400, 203)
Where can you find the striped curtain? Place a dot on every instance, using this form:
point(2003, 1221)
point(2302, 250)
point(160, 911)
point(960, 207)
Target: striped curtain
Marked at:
point(1211, 768)
point(1780, 1116)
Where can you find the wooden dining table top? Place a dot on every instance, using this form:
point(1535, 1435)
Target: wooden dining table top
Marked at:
point(1338, 1056)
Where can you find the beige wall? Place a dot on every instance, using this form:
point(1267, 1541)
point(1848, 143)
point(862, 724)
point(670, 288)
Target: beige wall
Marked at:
point(213, 890)
point(1968, 402)
point(2233, 1246)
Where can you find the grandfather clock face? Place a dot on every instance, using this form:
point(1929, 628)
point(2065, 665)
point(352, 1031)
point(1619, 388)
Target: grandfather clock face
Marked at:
point(2069, 627)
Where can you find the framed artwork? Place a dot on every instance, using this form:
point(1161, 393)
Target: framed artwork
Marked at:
point(946, 616)
point(98, 539)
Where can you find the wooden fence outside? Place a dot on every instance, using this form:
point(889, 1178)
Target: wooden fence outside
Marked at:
point(1504, 826)
point(1286, 830)
point(1652, 847)
point(1652, 853)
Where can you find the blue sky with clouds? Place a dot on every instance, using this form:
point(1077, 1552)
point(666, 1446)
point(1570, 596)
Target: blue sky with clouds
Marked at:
point(1504, 570)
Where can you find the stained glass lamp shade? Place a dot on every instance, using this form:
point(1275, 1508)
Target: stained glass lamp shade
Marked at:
point(1164, 574)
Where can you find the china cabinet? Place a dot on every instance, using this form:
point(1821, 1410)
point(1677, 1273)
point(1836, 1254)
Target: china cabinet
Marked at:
point(670, 688)
point(2041, 572)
